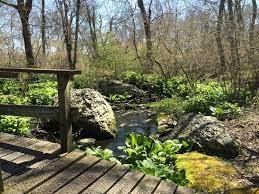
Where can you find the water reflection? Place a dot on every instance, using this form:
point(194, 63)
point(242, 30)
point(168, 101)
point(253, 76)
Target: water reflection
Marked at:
point(132, 120)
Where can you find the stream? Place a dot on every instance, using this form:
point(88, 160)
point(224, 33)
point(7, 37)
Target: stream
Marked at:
point(140, 120)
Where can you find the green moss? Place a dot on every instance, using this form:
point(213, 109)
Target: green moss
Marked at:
point(208, 173)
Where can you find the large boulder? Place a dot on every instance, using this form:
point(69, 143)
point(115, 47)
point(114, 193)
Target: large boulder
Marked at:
point(208, 132)
point(108, 87)
point(96, 117)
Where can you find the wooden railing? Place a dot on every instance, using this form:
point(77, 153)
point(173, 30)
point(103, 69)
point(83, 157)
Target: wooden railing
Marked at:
point(63, 112)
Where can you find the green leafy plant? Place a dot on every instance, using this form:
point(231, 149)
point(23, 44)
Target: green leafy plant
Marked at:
point(226, 110)
point(106, 154)
point(153, 157)
point(148, 155)
point(11, 99)
point(118, 97)
point(42, 93)
point(172, 106)
point(15, 125)
point(9, 87)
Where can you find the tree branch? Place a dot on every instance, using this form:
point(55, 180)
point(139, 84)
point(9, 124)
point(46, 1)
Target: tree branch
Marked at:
point(8, 4)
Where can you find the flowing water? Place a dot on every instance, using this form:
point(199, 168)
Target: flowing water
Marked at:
point(132, 121)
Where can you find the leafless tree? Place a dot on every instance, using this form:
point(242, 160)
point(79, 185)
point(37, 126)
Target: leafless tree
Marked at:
point(24, 8)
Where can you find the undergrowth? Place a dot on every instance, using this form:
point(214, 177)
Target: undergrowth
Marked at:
point(149, 156)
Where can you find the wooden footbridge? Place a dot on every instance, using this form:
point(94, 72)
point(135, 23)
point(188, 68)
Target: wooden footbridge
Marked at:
point(34, 166)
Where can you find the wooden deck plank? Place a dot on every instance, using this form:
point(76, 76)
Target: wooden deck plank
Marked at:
point(4, 137)
point(10, 140)
point(147, 185)
point(65, 176)
point(108, 180)
point(38, 169)
point(165, 187)
point(127, 182)
point(184, 190)
point(42, 149)
point(14, 147)
point(30, 144)
point(87, 178)
point(35, 177)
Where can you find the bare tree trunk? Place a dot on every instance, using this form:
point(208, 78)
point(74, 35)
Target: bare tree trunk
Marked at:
point(251, 55)
point(68, 37)
point(147, 27)
point(78, 5)
point(135, 41)
point(91, 19)
point(24, 9)
point(43, 28)
point(218, 36)
point(252, 35)
point(235, 62)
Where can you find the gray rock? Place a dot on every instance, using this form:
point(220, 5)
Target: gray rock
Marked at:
point(96, 117)
point(208, 132)
point(118, 87)
point(87, 141)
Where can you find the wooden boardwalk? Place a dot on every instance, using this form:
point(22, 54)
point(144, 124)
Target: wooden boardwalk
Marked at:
point(34, 166)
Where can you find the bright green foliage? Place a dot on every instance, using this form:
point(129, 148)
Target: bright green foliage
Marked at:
point(15, 125)
point(85, 81)
point(119, 97)
point(140, 147)
point(172, 106)
point(113, 58)
point(153, 157)
point(38, 93)
point(106, 154)
point(42, 96)
point(9, 87)
point(210, 98)
point(176, 86)
point(11, 99)
point(226, 110)
point(42, 93)
point(149, 156)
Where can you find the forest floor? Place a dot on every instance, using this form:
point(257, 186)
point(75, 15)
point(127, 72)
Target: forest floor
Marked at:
point(246, 131)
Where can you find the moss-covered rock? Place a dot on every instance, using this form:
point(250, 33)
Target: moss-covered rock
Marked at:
point(207, 173)
point(165, 123)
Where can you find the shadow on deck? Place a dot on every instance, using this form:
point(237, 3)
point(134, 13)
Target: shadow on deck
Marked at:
point(34, 166)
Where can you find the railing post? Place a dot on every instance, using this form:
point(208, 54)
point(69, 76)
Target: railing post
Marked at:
point(1, 181)
point(65, 121)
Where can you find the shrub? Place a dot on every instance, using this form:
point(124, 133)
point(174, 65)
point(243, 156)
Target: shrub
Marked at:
point(82, 81)
point(178, 86)
point(15, 125)
point(197, 104)
point(173, 106)
point(226, 111)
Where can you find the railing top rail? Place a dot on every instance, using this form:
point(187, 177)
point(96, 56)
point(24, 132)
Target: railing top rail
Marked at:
point(39, 71)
